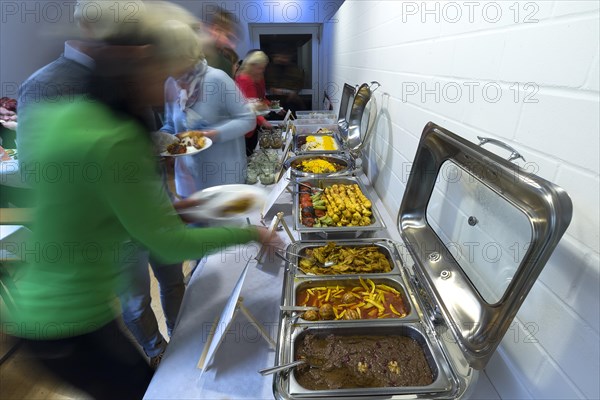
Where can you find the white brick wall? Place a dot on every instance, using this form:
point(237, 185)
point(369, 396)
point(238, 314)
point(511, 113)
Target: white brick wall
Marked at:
point(540, 60)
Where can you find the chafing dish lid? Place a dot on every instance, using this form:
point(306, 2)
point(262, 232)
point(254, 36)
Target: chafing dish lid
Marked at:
point(361, 119)
point(479, 230)
point(346, 102)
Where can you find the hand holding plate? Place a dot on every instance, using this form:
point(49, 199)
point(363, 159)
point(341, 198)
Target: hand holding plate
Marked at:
point(211, 134)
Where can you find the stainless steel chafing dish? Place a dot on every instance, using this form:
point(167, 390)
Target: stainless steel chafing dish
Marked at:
point(346, 165)
point(298, 250)
point(350, 133)
point(335, 231)
point(289, 387)
point(461, 307)
point(300, 141)
point(336, 282)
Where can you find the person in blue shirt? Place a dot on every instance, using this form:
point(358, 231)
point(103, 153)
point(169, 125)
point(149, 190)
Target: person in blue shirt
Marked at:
point(206, 99)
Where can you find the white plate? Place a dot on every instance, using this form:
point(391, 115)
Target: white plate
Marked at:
point(191, 150)
point(216, 199)
point(268, 111)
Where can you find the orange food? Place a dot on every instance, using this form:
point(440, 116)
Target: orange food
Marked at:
point(364, 301)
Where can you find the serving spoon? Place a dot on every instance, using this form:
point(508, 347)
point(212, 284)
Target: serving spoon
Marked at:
point(285, 367)
point(298, 308)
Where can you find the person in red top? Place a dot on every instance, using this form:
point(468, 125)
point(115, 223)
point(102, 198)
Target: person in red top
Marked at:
point(250, 79)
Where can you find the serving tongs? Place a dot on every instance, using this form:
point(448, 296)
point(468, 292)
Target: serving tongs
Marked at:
point(305, 185)
point(314, 261)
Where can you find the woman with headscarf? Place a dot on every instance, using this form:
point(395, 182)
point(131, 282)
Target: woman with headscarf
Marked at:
point(250, 78)
point(206, 99)
point(104, 190)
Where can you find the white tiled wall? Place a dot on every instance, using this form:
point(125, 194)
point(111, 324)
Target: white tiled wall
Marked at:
point(526, 73)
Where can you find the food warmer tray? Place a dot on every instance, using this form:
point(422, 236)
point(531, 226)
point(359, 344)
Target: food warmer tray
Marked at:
point(299, 249)
point(300, 139)
point(311, 114)
point(335, 231)
point(346, 163)
point(295, 285)
point(463, 306)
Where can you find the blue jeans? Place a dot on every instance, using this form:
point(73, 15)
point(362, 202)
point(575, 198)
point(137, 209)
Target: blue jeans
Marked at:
point(135, 299)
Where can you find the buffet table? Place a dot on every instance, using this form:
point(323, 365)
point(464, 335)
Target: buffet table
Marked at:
point(243, 351)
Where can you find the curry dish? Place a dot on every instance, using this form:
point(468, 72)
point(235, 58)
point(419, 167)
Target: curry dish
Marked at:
point(340, 362)
point(364, 301)
point(346, 259)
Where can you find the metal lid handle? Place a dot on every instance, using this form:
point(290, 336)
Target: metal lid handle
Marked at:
point(514, 153)
point(376, 87)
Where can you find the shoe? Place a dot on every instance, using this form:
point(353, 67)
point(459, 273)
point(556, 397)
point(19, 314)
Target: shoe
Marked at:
point(154, 361)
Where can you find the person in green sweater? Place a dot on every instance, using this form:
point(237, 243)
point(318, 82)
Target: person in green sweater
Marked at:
point(96, 186)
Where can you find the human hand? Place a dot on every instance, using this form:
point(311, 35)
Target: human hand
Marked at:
point(186, 203)
point(192, 134)
point(12, 125)
point(8, 118)
point(267, 125)
point(183, 205)
point(211, 134)
point(268, 238)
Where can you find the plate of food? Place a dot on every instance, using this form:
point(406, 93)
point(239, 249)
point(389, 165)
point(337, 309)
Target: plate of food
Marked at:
point(225, 202)
point(187, 144)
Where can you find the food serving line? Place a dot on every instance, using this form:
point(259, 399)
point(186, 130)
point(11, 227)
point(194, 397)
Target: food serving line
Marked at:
point(233, 373)
point(440, 316)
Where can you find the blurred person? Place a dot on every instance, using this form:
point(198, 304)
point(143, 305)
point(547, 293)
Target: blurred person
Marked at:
point(207, 100)
point(106, 191)
point(236, 67)
point(223, 33)
point(251, 81)
point(62, 81)
point(284, 80)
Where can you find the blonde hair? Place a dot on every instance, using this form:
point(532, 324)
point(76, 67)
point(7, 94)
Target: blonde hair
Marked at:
point(104, 19)
point(255, 58)
point(167, 26)
point(178, 43)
